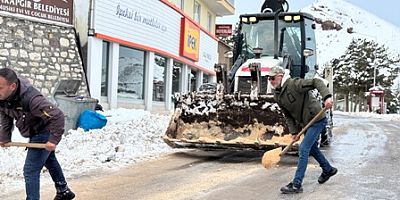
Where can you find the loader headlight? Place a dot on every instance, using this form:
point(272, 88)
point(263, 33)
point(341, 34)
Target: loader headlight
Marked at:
point(296, 18)
point(253, 19)
point(248, 20)
point(288, 18)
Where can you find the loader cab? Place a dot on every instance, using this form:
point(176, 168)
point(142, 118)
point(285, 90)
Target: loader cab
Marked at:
point(282, 36)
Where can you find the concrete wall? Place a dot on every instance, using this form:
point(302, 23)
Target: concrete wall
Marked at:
point(40, 52)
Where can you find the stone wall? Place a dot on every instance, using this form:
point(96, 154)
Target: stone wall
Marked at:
point(42, 53)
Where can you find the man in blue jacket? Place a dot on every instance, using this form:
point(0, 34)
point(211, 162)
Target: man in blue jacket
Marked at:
point(299, 106)
point(40, 121)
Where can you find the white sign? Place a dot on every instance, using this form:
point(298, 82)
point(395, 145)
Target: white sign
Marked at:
point(150, 23)
point(208, 53)
point(375, 101)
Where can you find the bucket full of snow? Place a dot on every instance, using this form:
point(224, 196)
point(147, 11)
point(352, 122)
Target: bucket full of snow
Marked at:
point(90, 119)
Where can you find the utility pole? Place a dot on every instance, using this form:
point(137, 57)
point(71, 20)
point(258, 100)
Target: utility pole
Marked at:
point(374, 74)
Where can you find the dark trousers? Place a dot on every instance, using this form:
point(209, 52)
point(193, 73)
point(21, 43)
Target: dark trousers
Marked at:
point(35, 160)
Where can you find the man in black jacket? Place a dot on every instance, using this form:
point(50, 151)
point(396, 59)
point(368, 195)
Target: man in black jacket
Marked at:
point(39, 120)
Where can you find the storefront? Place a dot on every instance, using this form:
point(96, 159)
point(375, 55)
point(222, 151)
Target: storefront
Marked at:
point(141, 52)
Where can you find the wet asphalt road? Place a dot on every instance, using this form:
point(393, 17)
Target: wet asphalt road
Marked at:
point(366, 151)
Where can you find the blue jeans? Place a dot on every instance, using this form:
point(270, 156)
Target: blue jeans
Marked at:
point(34, 162)
point(309, 146)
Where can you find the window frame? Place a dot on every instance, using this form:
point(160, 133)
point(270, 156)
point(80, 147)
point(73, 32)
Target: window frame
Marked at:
point(164, 92)
point(181, 4)
point(177, 66)
point(105, 64)
point(197, 7)
point(209, 21)
point(120, 95)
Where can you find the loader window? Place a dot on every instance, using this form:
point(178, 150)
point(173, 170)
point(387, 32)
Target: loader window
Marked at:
point(244, 84)
point(291, 43)
point(259, 34)
point(310, 43)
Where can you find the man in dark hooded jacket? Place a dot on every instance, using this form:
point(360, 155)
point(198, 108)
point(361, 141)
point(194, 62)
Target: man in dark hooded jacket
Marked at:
point(41, 122)
point(299, 107)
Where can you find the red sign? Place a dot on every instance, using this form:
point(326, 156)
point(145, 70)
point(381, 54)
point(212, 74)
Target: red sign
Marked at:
point(52, 10)
point(263, 69)
point(223, 30)
point(376, 91)
point(190, 40)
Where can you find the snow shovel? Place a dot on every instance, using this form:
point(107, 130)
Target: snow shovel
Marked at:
point(27, 145)
point(272, 157)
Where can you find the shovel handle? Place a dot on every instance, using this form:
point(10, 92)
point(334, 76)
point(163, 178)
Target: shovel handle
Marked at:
point(304, 130)
point(23, 144)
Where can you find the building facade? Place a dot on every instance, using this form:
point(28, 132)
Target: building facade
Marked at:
point(139, 53)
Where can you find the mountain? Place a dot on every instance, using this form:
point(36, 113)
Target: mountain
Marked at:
point(336, 18)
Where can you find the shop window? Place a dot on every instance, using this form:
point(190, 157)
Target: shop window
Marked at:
point(206, 78)
point(160, 64)
point(176, 77)
point(193, 80)
point(196, 14)
point(105, 68)
point(131, 73)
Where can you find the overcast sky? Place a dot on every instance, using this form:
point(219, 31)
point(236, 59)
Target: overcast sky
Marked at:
point(388, 11)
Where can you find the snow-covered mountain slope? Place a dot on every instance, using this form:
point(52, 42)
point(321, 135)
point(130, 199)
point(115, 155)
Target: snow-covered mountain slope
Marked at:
point(333, 43)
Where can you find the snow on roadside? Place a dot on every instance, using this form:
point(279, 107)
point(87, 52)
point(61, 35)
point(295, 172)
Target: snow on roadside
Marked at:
point(129, 136)
point(391, 117)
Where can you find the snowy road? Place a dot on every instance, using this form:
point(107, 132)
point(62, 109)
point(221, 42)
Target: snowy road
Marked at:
point(366, 152)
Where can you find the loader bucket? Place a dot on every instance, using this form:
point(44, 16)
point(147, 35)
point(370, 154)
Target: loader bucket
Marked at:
point(229, 121)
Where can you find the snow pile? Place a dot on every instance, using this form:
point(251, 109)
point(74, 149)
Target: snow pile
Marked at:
point(391, 117)
point(130, 136)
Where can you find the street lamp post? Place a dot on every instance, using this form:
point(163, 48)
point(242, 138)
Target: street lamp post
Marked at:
point(374, 74)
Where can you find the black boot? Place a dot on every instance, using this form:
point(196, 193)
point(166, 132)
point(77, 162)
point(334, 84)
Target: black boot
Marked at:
point(64, 195)
point(326, 175)
point(291, 189)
